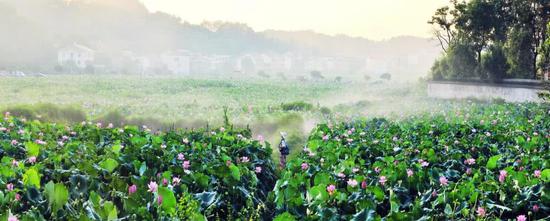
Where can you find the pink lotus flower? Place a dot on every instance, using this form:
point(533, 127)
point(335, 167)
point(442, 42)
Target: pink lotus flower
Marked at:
point(14, 163)
point(245, 159)
point(2, 129)
point(364, 184)
point(132, 189)
point(20, 132)
point(153, 186)
point(434, 193)
point(382, 180)
point(330, 189)
point(325, 138)
point(99, 125)
point(164, 181)
point(410, 173)
point(163, 146)
point(32, 159)
point(41, 142)
point(260, 138)
point(159, 199)
point(176, 181)
point(185, 140)
point(341, 175)
point(502, 176)
point(305, 166)
point(110, 126)
point(181, 156)
point(258, 169)
point(17, 197)
point(14, 142)
point(536, 208)
point(469, 171)
point(443, 180)
point(377, 169)
point(222, 129)
point(480, 212)
point(12, 218)
point(470, 161)
point(186, 164)
point(537, 173)
point(9, 187)
point(521, 218)
point(355, 170)
point(425, 164)
point(352, 183)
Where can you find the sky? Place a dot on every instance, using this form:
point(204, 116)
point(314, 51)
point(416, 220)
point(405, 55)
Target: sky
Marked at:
point(373, 19)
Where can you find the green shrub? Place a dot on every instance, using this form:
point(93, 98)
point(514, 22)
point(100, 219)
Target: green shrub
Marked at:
point(48, 113)
point(297, 106)
point(85, 171)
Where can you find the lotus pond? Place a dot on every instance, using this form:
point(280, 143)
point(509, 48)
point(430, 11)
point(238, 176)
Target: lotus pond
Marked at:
point(470, 161)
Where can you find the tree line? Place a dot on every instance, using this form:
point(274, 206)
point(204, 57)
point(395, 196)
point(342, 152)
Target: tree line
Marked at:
point(492, 39)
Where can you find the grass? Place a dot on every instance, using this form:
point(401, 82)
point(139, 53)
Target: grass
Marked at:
point(267, 106)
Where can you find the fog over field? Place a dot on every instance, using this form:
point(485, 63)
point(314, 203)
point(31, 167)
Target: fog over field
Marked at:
point(126, 38)
point(274, 110)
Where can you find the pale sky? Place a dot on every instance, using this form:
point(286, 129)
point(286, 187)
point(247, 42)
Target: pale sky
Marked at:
point(374, 19)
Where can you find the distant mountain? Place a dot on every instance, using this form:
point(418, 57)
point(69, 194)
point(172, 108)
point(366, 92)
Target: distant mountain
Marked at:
point(342, 45)
point(33, 30)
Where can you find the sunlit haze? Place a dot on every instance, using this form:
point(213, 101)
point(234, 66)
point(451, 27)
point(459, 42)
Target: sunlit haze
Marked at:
point(373, 19)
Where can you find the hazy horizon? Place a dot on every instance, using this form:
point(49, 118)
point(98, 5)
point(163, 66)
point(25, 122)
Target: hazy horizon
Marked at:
point(375, 20)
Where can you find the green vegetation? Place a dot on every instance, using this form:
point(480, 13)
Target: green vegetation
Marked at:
point(492, 40)
point(98, 172)
point(297, 106)
point(472, 160)
point(166, 103)
point(475, 161)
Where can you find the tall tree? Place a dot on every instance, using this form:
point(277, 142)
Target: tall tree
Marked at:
point(476, 25)
point(443, 22)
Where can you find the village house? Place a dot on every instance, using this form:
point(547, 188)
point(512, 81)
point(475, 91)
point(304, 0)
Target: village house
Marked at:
point(178, 62)
point(75, 55)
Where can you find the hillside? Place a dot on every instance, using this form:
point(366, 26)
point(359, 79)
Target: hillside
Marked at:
point(37, 29)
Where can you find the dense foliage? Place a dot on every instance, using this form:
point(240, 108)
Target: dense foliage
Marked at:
point(97, 172)
point(474, 162)
point(465, 162)
point(492, 39)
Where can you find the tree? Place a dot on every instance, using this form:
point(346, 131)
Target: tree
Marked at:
point(316, 75)
point(519, 53)
point(443, 26)
point(494, 63)
point(506, 36)
point(476, 24)
point(386, 76)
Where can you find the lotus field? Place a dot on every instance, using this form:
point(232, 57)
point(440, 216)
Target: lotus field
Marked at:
point(471, 161)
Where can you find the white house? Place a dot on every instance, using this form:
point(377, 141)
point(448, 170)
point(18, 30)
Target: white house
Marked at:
point(77, 55)
point(178, 62)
